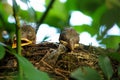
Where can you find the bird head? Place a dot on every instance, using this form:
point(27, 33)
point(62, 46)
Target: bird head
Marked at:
point(28, 36)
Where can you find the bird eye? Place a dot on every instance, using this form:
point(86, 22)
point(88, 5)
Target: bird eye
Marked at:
point(30, 33)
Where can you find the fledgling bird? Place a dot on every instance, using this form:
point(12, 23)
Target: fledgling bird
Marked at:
point(28, 36)
point(28, 32)
point(69, 37)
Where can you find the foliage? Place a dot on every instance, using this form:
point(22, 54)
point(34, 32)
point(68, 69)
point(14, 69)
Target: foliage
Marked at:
point(111, 41)
point(106, 66)
point(2, 52)
point(26, 69)
point(115, 56)
point(104, 13)
point(119, 71)
point(29, 71)
point(86, 73)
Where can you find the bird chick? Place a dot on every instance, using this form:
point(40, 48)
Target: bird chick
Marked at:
point(28, 36)
point(69, 37)
point(28, 32)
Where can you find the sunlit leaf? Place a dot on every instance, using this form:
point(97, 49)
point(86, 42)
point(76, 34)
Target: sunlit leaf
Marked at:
point(8, 8)
point(3, 15)
point(2, 51)
point(106, 66)
point(86, 28)
point(47, 2)
point(69, 7)
point(85, 73)
point(31, 73)
point(111, 41)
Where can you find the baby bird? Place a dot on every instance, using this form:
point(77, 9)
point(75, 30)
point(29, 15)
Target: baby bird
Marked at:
point(28, 32)
point(70, 38)
point(28, 36)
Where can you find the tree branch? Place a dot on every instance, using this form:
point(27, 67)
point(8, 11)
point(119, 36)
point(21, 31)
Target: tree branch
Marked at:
point(44, 15)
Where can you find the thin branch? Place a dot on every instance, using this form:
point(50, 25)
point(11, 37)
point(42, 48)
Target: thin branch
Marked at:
point(44, 15)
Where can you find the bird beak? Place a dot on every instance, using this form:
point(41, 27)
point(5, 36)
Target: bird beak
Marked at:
point(64, 42)
point(24, 42)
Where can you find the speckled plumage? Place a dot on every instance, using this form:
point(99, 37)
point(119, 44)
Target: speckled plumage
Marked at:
point(29, 33)
point(70, 36)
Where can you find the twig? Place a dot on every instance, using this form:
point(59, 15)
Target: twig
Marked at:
point(44, 15)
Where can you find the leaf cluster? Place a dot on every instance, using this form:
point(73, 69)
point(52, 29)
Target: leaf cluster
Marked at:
point(29, 71)
point(87, 73)
point(104, 13)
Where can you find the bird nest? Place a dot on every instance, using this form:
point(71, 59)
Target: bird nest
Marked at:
point(55, 59)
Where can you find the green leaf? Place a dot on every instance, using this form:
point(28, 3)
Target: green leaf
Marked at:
point(71, 5)
point(58, 15)
point(32, 13)
point(110, 17)
point(15, 6)
point(89, 29)
point(111, 41)
point(3, 15)
point(29, 70)
point(119, 71)
point(29, 15)
point(53, 20)
point(2, 51)
point(85, 73)
point(97, 17)
point(87, 7)
point(115, 56)
point(106, 66)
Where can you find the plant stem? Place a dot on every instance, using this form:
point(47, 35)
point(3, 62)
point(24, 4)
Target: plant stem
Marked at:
point(44, 15)
point(18, 36)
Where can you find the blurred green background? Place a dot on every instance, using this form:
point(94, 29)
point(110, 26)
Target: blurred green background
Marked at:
point(104, 15)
